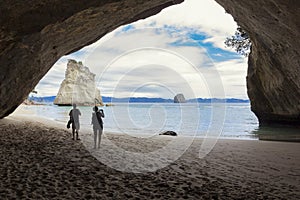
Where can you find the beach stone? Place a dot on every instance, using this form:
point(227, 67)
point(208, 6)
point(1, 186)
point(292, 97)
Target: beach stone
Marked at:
point(78, 87)
point(171, 133)
point(33, 36)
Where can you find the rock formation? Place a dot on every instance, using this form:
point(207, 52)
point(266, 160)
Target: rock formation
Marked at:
point(33, 36)
point(273, 79)
point(171, 133)
point(179, 98)
point(78, 86)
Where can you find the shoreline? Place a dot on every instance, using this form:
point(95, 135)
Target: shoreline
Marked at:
point(59, 124)
point(38, 160)
point(282, 133)
point(30, 115)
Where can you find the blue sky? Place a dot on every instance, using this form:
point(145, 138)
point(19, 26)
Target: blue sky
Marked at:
point(183, 43)
point(198, 39)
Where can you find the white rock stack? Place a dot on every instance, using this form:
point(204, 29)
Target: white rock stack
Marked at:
point(78, 87)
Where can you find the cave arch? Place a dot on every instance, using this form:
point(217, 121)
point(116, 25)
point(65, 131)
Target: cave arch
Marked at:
point(34, 36)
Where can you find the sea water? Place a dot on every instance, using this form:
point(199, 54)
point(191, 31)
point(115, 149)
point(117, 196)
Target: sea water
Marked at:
point(225, 120)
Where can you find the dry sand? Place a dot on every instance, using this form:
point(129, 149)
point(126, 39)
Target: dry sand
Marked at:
point(43, 162)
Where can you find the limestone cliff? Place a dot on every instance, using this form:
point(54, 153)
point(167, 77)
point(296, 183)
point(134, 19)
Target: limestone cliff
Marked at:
point(78, 86)
point(273, 79)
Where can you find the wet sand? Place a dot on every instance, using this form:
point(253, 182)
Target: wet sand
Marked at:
point(43, 162)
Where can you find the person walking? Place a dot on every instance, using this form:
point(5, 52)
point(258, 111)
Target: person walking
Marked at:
point(97, 123)
point(74, 120)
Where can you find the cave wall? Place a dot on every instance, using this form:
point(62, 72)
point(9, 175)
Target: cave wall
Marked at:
point(35, 34)
point(273, 79)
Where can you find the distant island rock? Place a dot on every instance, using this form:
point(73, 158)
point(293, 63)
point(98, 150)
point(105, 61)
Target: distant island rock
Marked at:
point(78, 87)
point(179, 98)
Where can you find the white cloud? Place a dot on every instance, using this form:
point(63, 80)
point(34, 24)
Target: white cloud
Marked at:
point(49, 84)
point(137, 62)
point(233, 74)
point(155, 58)
point(205, 16)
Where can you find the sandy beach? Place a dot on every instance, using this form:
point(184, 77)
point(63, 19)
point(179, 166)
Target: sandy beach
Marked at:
point(41, 161)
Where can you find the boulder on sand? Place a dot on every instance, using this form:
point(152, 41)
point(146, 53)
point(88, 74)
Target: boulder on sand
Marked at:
point(171, 133)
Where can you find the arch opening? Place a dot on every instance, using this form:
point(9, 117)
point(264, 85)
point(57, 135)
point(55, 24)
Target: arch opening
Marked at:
point(202, 44)
point(30, 50)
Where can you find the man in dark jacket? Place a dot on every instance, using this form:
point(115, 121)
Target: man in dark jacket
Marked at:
point(74, 119)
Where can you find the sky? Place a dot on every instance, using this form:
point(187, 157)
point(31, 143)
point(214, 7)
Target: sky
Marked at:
point(179, 50)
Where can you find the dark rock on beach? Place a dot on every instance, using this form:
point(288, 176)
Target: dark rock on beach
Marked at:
point(171, 133)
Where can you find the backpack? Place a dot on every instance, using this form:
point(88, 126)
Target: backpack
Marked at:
point(98, 115)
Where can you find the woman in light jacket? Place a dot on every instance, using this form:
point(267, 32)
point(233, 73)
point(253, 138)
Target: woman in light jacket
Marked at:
point(97, 123)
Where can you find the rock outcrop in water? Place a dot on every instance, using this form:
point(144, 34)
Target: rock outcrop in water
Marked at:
point(78, 87)
point(33, 36)
point(179, 98)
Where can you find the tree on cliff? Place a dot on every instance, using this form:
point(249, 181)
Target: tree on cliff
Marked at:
point(240, 41)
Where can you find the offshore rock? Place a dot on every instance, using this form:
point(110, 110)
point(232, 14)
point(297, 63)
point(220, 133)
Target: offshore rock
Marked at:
point(179, 98)
point(78, 87)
